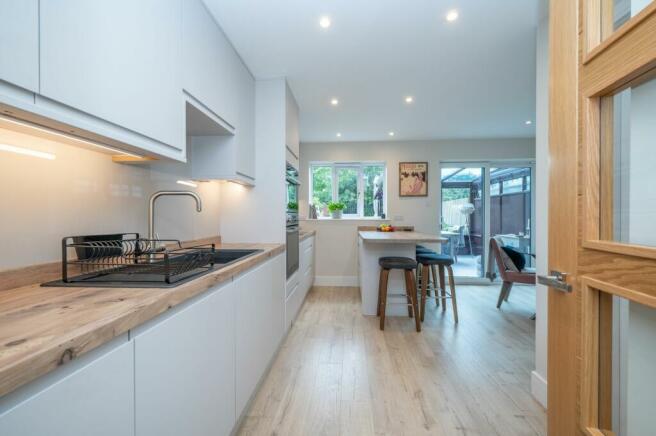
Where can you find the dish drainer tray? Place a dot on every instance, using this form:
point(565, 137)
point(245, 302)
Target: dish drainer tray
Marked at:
point(126, 260)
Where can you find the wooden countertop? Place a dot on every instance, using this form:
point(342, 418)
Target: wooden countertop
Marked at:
point(43, 328)
point(399, 237)
point(304, 234)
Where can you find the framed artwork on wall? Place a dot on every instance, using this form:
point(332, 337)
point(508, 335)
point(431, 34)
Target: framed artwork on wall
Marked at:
point(413, 179)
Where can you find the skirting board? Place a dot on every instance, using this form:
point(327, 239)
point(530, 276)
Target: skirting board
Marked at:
point(539, 388)
point(336, 281)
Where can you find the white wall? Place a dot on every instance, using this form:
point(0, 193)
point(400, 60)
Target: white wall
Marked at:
point(84, 192)
point(421, 212)
point(539, 375)
point(258, 214)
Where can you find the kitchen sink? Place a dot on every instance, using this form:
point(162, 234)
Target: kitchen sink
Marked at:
point(226, 256)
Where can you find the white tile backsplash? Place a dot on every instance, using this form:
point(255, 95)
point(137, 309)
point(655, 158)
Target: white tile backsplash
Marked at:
point(84, 192)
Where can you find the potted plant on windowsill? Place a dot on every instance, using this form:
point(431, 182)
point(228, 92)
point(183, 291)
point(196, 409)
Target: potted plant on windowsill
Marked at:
point(336, 209)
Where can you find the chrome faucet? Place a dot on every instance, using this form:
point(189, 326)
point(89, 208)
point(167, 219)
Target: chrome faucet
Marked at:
point(151, 209)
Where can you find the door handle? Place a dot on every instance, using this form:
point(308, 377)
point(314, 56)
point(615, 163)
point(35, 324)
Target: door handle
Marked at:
point(556, 280)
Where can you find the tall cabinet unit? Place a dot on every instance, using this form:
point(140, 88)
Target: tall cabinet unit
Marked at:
point(118, 61)
point(19, 43)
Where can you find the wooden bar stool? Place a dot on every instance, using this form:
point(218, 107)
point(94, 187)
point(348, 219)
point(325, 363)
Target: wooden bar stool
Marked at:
point(428, 263)
point(419, 276)
point(407, 265)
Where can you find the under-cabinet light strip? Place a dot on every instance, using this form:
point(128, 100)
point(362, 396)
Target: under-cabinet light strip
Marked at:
point(65, 135)
point(187, 183)
point(27, 151)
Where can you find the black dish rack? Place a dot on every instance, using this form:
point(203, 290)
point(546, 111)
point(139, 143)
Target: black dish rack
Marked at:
point(126, 260)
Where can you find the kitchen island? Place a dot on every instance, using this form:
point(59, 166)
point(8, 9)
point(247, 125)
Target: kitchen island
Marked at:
point(373, 245)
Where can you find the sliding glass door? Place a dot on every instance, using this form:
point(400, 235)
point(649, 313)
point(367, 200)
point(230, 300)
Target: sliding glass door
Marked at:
point(482, 200)
point(463, 218)
point(511, 208)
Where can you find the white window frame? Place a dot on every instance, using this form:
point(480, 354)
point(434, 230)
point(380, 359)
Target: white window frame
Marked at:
point(359, 166)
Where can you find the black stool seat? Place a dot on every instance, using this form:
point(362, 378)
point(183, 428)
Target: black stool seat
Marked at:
point(421, 246)
point(392, 262)
point(424, 250)
point(434, 259)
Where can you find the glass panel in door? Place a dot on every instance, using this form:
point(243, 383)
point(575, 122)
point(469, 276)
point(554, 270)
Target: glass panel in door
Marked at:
point(617, 12)
point(628, 160)
point(463, 219)
point(627, 381)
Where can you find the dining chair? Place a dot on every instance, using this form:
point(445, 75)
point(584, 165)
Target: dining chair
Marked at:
point(509, 272)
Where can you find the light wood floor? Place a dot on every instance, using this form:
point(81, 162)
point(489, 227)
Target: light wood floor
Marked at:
point(338, 374)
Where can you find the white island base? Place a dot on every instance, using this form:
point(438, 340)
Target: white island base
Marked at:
point(371, 247)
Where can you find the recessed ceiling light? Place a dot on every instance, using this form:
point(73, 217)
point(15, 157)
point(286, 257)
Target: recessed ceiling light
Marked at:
point(325, 22)
point(409, 99)
point(187, 183)
point(339, 135)
point(334, 102)
point(391, 133)
point(529, 122)
point(452, 15)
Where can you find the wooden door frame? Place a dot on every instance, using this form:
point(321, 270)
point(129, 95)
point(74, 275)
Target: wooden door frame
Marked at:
point(588, 61)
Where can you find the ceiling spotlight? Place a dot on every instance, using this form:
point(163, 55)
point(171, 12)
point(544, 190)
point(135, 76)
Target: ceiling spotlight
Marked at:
point(339, 135)
point(409, 99)
point(452, 15)
point(391, 133)
point(334, 102)
point(325, 22)
point(529, 122)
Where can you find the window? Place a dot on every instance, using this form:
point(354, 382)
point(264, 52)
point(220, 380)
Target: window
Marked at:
point(360, 186)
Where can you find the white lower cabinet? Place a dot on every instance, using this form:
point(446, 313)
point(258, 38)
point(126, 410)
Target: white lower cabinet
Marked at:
point(190, 371)
point(306, 265)
point(299, 285)
point(95, 399)
point(259, 325)
point(185, 370)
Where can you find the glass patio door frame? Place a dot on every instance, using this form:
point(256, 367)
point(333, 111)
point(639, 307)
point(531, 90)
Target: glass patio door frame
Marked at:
point(486, 166)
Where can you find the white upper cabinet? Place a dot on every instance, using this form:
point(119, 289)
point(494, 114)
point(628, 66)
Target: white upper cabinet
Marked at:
point(292, 124)
point(117, 60)
point(19, 43)
point(208, 62)
point(245, 133)
point(216, 79)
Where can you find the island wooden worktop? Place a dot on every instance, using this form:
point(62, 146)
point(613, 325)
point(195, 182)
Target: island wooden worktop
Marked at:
point(399, 237)
point(42, 328)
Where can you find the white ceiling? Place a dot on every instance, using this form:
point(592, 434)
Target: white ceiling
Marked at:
point(473, 78)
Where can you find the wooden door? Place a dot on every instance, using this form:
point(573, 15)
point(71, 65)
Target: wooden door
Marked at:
point(601, 220)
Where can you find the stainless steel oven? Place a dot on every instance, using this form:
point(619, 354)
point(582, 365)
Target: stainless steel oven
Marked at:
point(291, 176)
